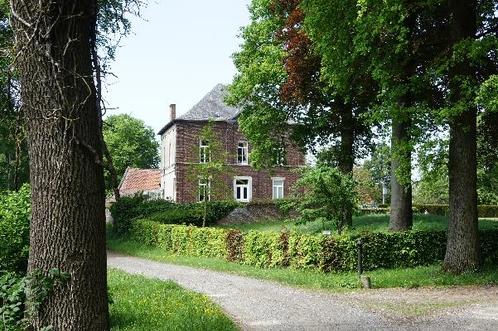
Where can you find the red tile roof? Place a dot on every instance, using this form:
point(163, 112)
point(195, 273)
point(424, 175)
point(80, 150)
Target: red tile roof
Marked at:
point(139, 180)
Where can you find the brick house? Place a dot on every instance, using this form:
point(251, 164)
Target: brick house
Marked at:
point(181, 146)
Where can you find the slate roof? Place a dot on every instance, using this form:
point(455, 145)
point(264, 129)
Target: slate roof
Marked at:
point(140, 180)
point(211, 107)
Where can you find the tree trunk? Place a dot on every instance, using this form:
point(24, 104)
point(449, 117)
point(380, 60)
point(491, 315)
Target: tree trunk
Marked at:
point(346, 157)
point(401, 188)
point(463, 250)
point(54, 40)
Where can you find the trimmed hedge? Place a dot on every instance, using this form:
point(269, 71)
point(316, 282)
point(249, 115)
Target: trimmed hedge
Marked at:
point(128, 209)
point(304, 251)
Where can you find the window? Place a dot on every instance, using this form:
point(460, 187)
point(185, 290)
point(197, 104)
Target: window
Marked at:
point(278, 187)
point(204, 190)
point(204, 152)
point(243, 153)
point(242, 189)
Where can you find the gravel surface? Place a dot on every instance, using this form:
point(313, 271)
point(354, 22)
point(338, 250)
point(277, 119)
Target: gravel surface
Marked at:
point(265, 305)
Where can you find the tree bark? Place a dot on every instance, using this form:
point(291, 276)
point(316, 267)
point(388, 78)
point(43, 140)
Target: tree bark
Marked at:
point(463, 249)
point(401, 188)
point(346, 157)
point(54, 40)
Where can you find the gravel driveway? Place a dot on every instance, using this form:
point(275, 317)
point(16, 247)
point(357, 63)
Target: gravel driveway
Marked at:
point(265, 305)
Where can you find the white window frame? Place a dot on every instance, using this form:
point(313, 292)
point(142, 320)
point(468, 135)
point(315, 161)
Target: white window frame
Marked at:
point(207, 185)
point(249, 188)
point(280, 185)
point(243, 152)
point(204, 152)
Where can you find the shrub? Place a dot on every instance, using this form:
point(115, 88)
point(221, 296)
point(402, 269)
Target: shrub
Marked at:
point(12, 301)
point(305, 251)
point(128, 209)
point(193, 213)
point(15, 213)
point(324, 193)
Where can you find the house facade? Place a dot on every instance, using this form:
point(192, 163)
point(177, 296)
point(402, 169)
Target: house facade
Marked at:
point(182, 147)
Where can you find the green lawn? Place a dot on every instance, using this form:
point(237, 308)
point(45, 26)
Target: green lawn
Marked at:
point(141, 304)
point(364, 223)
point(410, 277)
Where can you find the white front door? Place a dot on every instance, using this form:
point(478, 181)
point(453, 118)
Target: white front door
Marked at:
point(242, 188)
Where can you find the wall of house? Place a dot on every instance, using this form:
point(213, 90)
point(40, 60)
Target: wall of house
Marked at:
point(187, 138)
point(168, 156)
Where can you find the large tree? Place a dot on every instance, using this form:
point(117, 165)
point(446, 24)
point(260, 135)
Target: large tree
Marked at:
point(280, 79)
point(469, 60)
point(380, 37)
point(130, 143)
point(55, 40)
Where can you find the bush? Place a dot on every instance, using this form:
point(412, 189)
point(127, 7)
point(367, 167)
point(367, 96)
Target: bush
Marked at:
point(12, 301)
point(128, 209)
point(305, 251)
point(324, 193)
point(15, 213)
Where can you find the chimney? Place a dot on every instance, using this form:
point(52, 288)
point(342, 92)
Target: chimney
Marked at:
point(172, 112)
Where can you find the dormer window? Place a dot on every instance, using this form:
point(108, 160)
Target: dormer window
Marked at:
point(243, 153)
point(204, 153)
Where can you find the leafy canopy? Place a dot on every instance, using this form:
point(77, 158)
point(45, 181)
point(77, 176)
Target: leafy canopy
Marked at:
point(131, 143)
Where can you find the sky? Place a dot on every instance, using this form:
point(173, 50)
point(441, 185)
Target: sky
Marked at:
point(178, 51)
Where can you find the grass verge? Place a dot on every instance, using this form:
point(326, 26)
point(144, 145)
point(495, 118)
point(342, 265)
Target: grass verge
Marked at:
point(141, 303)
point(408, 278)
point(364, 223)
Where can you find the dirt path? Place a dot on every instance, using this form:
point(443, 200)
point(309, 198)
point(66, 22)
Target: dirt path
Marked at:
point(265, 305)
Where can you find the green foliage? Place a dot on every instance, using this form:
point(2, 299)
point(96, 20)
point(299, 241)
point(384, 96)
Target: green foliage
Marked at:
point(14, 167)
point(131, 144)
point(128, 209)
point(12, 299)
point(22, 297)
point(367, 189)
point(15, 211)
point(324, 193)
point(255, 86)
point(181, 239)
point(305, 251)
point(265, 249)
point(488, 94)
point(142, 304)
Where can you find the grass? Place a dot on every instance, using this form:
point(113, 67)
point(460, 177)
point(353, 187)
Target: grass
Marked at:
point(141, 303)
point(365, 223)
point(408, 278)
